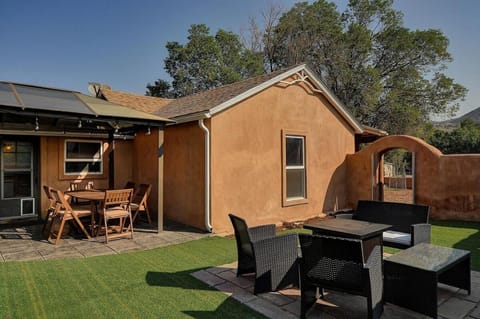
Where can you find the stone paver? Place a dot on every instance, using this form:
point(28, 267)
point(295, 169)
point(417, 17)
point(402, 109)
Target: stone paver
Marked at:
point(453, 303)
point(27, 242)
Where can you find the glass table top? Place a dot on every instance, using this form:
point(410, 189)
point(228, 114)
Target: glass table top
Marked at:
point(428, 257)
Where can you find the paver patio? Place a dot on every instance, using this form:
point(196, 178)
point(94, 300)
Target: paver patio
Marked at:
point(453, 303)
point(19, 243)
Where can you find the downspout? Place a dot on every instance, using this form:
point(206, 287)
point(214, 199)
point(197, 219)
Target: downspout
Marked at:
point(208, 226)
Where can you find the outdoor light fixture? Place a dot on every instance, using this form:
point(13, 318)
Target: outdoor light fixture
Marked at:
point(148, 131)
point(79, 123)
point(37, 127)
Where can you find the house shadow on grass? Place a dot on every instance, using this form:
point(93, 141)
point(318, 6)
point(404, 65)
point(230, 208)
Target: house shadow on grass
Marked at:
point(178, 279)
point(226, 309)
point(229, 308)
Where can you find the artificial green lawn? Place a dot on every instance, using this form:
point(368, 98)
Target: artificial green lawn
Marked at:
point(151, 284)
point(148, 284)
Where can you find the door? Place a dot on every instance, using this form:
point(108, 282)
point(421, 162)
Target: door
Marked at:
point(17, 178)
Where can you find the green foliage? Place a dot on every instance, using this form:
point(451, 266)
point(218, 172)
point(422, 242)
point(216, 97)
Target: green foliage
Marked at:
point(161, 88)
point(388, 76)
point(462, 140)
point(206, 62)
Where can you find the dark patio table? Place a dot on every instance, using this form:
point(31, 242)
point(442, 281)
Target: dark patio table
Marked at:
point(369, 233)
point(412, 275)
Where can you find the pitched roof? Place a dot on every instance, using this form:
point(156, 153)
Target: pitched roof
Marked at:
point(210, 102)
point(142, 103)
point(206, 100)
point(28, 98)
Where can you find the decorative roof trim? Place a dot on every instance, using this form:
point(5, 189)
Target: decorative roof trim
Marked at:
point(304, 75)
point(302, 78)
point(255, 90)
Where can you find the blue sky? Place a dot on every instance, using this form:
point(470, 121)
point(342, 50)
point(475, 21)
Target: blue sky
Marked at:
point(67, 44)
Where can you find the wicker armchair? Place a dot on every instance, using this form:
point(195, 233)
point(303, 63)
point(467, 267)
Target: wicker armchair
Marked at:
point(337, 264)
point(272, 258)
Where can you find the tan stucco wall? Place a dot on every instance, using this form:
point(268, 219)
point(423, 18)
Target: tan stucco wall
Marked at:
point(450, 184)
point(184, 175)
point(247, 157)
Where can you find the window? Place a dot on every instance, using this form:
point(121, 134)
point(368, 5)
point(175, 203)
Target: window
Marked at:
point(83, 157)
point(294, 178)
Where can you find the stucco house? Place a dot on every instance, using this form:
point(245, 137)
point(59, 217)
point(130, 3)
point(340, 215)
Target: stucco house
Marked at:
point(271, 149)
point(51, 136)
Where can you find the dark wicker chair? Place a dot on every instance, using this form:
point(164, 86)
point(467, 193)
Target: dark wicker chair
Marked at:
point(273, 259)
point(337, 264)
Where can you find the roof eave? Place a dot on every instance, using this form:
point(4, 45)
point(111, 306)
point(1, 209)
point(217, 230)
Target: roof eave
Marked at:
point(190, 118)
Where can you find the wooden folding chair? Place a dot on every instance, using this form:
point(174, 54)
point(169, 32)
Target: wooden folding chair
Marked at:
point(116, 205)
point(81, 185)
point(50, 208)
point(129, 184)
point(139, 202)
point(64, 213)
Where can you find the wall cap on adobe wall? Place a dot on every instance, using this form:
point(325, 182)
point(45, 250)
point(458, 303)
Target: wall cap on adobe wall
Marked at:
point(410, 143)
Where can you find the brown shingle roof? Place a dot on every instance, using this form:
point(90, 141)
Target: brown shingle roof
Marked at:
point(204, 101)
point(210, 102)
point(139, 102)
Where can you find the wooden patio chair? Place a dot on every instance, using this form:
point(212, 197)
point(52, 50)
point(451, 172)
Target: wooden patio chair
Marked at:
point(50, 209)
point(139, 202)
point(81, 185)
point(116, 205)
point(129, 184)
point(64, 213)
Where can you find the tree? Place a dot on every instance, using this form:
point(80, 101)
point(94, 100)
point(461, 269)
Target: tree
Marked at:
point(388, 76)
point(161, 88)
point(206, 62)
point(462, 140)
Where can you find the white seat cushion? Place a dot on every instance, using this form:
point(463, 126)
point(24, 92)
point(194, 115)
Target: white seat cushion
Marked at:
point(397, 237)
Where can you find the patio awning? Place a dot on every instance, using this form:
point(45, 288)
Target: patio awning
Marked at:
point(50, 109)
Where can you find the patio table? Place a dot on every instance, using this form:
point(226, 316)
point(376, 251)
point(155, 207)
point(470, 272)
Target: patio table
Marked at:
point(95, 197)
point(369, 233)
point(412, 275)
point(91, 195)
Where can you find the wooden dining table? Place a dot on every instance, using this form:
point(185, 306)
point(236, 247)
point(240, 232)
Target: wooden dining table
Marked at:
point(91, 195)
point(95, 197)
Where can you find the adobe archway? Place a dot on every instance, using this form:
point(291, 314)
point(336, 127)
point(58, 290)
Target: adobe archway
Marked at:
point(449, 184)
point(364, 173)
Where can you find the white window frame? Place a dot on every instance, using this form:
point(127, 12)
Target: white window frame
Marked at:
point(288, 201)
point(70, 160)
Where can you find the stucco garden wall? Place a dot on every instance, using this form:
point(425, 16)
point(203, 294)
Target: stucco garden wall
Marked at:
point(449, 184)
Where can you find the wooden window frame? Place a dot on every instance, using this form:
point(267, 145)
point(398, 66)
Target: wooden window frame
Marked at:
point(293, 201)
point(66, 160)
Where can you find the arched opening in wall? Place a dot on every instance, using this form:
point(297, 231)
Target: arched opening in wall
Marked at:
point(397, 176)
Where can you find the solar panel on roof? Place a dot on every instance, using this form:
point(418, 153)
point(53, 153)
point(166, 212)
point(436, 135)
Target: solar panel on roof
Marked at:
point(51, 100)
point(7, 97)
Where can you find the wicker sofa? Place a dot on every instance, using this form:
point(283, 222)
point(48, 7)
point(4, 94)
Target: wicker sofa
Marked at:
point(409, 222)
point(273, 258)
